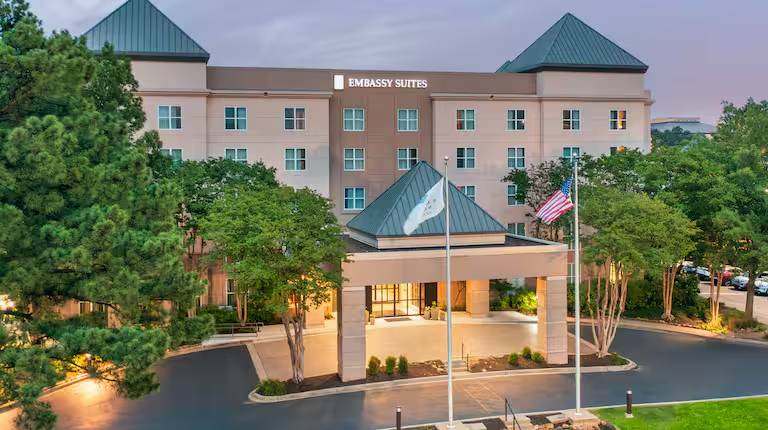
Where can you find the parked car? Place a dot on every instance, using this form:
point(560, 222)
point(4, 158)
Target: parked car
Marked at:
point(702, 273)
point(740, 283)
point(761, 287)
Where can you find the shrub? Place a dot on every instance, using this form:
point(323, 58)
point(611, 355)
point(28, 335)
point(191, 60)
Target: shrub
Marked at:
point(513, 359)
point(374, 366)
point(527, 352)
point(524, 301)
point(618, 360)
point(389, 365)
point(537, 357)
point(402, 365)
point(272, 387)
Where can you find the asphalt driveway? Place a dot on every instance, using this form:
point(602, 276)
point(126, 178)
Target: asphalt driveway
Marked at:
point(207, 390)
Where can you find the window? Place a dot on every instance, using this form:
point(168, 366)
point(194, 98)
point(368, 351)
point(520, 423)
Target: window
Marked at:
point(231, 293)
point(239, 155)
point(354, 119)
point(175, 154)
point(618, 120)
point(354, 198)
point(465, 119)
point(407, 120)
point(169, 117)
point(354, 159)
point(406, 158)
point(515, 119)
point(85, 307)
point(465, 158)
point(517, 228)
point(615, 149)
point(295, 159)
point(516, 158)
point(571, 152)
point(469, 191)
point(235, 118)
point(294, 118)
point(512, 197)
point(571, 119)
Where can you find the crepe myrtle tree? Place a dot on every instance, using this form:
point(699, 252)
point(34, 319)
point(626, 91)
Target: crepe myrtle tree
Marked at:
point(632, 234)
point(83, 219)
point(282, 246)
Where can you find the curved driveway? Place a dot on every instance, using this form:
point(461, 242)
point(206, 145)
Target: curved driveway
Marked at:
point(207, 390)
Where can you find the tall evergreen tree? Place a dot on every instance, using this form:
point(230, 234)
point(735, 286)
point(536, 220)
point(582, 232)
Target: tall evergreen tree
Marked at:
point(83, 219)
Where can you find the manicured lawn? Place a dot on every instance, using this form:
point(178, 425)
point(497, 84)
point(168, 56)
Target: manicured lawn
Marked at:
point(731, 414)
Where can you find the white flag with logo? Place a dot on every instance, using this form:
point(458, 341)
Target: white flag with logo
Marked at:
point(428, 207)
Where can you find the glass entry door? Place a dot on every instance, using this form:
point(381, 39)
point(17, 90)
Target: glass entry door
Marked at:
point(389, 300)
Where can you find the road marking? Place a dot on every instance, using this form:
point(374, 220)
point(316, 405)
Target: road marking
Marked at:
point(485, 397)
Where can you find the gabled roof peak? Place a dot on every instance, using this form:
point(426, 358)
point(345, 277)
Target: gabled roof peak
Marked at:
point(571, 44)
point(384, 217)
point(140, 30)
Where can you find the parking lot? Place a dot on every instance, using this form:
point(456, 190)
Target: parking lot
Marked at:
point(738, 299)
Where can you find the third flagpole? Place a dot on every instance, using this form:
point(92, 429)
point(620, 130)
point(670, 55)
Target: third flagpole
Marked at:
point(577, 281)
point(448, 318)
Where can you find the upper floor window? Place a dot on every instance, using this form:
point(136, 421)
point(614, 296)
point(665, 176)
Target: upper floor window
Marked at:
point(468, 190)
point(169, 117)
point(465, 158)
point(512, 198)
point(235, 118)
point(354, 119)
point(294, 118)
point(570, 153)
point(407, 120)
point(239, 155)
point(571, 119)
point(295, 159)
point(516, 158)
point(618, 120)
point(406, 158)
point(354, 159)
point(175, 154)
point(354, 198)
point(517, 228)
point(465, 119)
point(515, 119)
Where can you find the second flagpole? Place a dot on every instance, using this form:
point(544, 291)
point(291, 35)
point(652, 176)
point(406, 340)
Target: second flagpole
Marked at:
point(448, 318)
point(577, 281)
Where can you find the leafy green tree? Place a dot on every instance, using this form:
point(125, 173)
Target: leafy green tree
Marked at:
point(201, 183)
point(534, 185)
point(743, 141)
point(675, 137)
point(288, 251)
point(631, 234)
point(84, 219)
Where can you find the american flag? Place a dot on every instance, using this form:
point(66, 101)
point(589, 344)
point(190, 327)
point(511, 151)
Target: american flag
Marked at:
point(557, 204)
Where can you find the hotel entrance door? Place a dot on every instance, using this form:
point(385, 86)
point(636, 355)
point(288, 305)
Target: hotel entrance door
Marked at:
point(390, 300)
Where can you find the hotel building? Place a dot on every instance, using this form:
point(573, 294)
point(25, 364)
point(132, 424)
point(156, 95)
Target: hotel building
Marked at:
point(352, 134)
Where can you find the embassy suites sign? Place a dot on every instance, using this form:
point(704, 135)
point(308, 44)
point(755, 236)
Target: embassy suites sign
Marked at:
point(339, 81)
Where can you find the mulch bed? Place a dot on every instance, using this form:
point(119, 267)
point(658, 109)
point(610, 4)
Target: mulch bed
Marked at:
point(415, 370)
point(490, 364)
point(490, 423)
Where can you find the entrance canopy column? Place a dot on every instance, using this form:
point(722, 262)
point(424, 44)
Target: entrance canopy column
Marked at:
point(478, 297)
point(552, 326)
point(351, 333)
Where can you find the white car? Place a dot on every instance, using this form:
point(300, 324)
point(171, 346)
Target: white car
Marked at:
point(740, 283)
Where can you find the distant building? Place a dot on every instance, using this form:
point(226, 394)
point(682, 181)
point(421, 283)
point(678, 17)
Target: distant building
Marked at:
point(692, 125)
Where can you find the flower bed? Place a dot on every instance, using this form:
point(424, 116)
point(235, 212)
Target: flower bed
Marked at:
point(497, 363)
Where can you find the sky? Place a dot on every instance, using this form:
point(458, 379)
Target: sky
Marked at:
point(700, 52)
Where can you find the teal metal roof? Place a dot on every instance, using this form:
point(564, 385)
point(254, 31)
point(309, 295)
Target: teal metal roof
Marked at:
point(572, 44)
point(385, 216)
point(139, 30)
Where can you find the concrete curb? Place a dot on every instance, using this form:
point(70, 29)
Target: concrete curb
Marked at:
point(255, 397)
point(63, 384)
point(671, 328)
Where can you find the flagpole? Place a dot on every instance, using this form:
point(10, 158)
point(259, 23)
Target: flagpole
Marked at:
point(577, 281)
point(448, 290)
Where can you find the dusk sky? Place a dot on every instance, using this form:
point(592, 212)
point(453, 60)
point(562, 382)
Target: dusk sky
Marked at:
point(700, 52)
